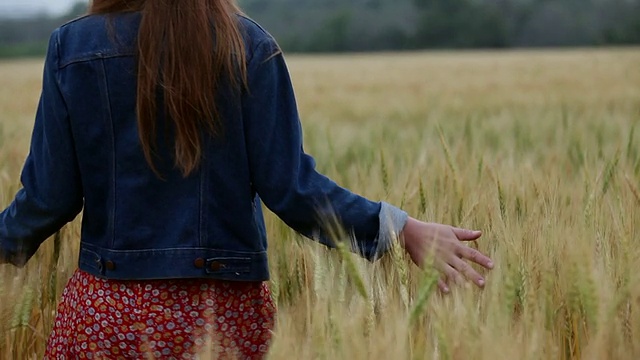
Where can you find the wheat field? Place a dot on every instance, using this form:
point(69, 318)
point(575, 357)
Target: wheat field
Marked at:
point(539, 149)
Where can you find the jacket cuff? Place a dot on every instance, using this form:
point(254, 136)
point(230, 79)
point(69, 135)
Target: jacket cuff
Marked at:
point(392, 221)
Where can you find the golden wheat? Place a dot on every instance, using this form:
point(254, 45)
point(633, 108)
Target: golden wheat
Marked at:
point(535, 148)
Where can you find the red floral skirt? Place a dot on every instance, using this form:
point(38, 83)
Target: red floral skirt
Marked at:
point(161, 319)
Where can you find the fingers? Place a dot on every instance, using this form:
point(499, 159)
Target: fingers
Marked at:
point(476, 257)
point(451, 274)
point(466, 235)
point(443, 286)
point(469, 272)
point(459, 271)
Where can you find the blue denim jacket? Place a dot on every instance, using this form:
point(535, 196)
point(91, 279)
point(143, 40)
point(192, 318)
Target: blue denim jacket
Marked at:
point(85, 155)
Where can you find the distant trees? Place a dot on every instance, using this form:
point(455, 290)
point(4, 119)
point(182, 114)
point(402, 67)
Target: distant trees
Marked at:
point(460, 23)
point(365, 25)
point(372, 25)
point(622, 20)
point(29, 37)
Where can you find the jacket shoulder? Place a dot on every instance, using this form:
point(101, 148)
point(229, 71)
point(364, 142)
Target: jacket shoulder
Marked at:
point(253, 29)
point(83, 24)
point(75, 20)
point(92, 36)
point(255, 35)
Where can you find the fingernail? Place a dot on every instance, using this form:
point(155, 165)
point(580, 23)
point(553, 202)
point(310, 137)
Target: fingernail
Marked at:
point(481, 282)
point(446, 290)
point(490, 264)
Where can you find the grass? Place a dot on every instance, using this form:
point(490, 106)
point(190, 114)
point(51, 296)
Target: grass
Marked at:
point(539, 149)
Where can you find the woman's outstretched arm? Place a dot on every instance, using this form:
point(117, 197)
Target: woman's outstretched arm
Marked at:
point(51, 193)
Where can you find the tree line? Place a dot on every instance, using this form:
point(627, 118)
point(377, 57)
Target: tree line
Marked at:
point(369, 25)
point(376, 25)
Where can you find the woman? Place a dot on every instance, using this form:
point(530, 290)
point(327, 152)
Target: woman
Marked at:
point(168, 122)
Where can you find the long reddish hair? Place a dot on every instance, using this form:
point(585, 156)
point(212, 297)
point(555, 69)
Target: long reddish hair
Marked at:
point(185, 47)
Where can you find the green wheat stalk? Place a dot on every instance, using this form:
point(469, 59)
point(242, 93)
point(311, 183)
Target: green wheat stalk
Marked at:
point(24, 307)
point(423, 198)
point(352, 269)
point(400, 264)
point(502, 201)
point(429, 280)
point(385, 173)
point(319, 274)
point(53, 277)
point(450, 161)
point(631, 150)
point(609, 173)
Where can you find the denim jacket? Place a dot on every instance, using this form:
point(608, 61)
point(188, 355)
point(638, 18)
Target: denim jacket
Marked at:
point(86, 156)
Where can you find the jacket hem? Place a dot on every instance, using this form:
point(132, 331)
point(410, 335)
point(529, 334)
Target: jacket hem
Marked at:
point(176, 263)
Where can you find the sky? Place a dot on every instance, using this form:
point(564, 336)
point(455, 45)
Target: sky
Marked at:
point(12, 8)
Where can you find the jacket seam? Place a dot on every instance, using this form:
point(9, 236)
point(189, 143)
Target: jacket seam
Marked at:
point(181, 249)
point(262, 29)
point(75, 20)
point(94, 57)
point(56, 39)
point(110, 126)
point(57, 67)
point(271, 56)
point(201, 222)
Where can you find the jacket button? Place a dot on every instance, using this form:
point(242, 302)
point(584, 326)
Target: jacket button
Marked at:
point(216, 266)
point(199, 263)
point(110, 265)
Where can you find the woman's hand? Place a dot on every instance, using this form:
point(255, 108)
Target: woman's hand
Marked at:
point(443, 244)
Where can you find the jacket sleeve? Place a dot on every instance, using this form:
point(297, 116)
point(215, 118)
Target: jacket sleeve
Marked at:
point(51, 193)
point(285, 177)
